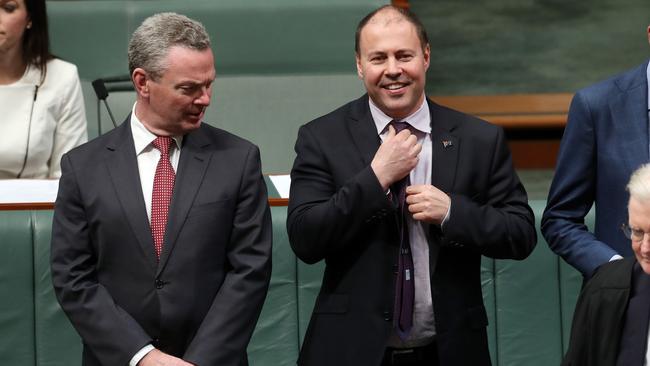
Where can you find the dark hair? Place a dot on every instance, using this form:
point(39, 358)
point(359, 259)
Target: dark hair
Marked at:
point(36, 40)
point(407, 14)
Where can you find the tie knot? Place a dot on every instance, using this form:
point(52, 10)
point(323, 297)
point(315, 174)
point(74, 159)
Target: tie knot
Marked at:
point(162, 143)
point(400, 126)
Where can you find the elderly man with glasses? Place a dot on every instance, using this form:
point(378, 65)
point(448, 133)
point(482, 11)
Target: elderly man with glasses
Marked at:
point(610, 323)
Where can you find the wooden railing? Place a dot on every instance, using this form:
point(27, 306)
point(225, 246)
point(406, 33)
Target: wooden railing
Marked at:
point(50, 205)
point(534, 123)
point(514, 111)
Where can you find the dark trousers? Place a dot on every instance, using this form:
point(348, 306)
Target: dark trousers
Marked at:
point(419, 356)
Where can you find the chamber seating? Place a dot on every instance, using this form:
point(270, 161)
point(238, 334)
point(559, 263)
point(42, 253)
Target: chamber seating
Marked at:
point(529, 303)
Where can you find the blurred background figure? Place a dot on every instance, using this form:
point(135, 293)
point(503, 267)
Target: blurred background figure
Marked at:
point(41, 105)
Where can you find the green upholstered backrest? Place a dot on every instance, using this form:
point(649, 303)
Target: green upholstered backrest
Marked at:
point(275, 340)
point(529, 303)
point(16, 289)
point(310, 278)
point(34, 329)
point(55, 341)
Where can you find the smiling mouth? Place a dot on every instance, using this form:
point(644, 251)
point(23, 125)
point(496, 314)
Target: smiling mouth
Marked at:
point(395, 86)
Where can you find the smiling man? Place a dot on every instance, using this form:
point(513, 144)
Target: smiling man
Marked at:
point(400, 197)
point(161, 239)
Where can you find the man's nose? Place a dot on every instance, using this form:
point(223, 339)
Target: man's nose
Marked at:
point(204, 97)
point(393, 67)
point(644, 247)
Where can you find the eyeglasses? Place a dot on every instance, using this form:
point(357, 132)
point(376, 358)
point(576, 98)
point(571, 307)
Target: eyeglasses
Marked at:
point(632, 233)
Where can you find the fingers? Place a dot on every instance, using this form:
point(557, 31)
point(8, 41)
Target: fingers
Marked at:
point(416, 188)
point(396, 156)
point(415, 150)
point(427, 203)
point(416, 207)
point(391, 132)
point(404, 135)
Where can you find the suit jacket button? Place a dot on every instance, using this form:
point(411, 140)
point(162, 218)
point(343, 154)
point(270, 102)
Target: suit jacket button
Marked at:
point(160, 284)
point(388, 316)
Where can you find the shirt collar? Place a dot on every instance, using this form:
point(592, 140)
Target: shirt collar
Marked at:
point(420, 119)
point(142, 138)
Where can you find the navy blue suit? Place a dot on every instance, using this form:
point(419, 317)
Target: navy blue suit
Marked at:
point(605, 140)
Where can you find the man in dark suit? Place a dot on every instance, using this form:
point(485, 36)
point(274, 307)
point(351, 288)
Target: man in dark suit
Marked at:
point(610, 323)
point(402, 278)
point(605, 140)
point(161, 238)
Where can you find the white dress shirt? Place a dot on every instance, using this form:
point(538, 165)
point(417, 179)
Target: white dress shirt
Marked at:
point(148, 157)
point(423, 329)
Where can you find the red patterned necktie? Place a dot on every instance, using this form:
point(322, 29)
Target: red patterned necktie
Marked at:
point(163, 186)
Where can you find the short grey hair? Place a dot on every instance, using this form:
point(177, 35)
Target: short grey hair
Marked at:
point(152, 40)
point(639, 186)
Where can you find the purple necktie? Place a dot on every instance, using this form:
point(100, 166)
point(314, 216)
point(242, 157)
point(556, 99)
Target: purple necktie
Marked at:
point(404, 287)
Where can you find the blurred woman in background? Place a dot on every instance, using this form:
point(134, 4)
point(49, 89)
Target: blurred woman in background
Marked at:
point(42, 112)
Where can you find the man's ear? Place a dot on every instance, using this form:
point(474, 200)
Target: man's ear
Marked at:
point(140, 82)
point(427, 56)
point(359, 69)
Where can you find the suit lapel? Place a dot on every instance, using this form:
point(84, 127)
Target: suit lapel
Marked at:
point(123, 171)
point(445, 147)
point(629, 111)
point(192, 165)
point(363, 130)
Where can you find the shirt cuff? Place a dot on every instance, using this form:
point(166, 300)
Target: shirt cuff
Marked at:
point(446, 218)
point(615, 258)
point(140, 355)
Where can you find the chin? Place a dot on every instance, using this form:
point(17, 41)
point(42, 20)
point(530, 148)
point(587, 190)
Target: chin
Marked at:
point(397, 112)
point(645, 266)
point(192, 124)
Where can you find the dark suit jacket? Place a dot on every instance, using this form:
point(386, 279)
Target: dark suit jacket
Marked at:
point(202, 300)
point(338, 212)
point(605, 140)
point(599, 316)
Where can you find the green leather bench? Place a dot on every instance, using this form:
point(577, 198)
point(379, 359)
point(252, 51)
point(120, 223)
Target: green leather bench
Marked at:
point(530, 303)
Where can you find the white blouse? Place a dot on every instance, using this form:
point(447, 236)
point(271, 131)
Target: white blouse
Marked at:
point(39, 125)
